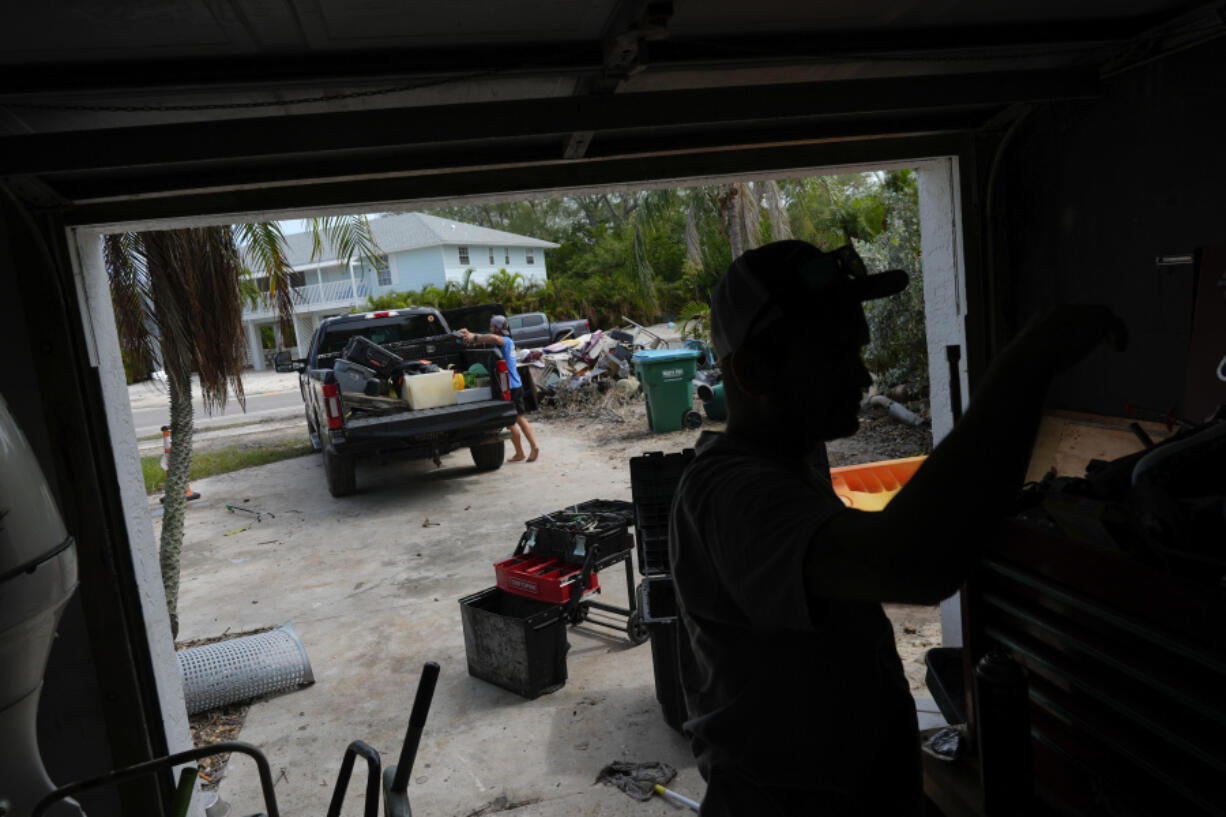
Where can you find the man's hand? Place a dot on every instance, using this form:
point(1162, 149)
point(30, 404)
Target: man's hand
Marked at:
point(467, 336)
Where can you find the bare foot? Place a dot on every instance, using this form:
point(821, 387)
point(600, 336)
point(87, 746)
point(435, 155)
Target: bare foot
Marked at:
point(535, 453)
point(517, 458)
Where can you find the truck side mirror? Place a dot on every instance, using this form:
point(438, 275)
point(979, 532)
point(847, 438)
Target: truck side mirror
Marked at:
point(282, 362)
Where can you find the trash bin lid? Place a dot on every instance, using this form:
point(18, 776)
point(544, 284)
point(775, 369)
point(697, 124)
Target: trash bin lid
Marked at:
point(664, 355)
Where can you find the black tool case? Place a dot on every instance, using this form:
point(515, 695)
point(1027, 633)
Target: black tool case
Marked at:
point(653, 481)
point(570, 533)
point(368, 353)
point(354, 378)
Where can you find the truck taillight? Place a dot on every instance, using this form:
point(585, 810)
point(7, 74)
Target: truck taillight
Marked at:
point(587, 326)
point(332, 405)
point(504, 379)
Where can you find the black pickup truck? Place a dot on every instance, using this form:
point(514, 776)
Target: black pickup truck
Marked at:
point(346, 429)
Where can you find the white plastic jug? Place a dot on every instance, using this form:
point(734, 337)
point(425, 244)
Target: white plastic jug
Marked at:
point(432, 390)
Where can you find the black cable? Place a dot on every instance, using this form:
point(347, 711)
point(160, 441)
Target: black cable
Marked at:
point(33, 564)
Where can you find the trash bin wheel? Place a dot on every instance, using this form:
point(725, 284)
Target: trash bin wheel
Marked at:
point(691, 420)
point(636, 630)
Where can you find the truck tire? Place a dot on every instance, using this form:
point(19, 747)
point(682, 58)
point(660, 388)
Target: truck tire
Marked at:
point(340, 472)
point(488, 457)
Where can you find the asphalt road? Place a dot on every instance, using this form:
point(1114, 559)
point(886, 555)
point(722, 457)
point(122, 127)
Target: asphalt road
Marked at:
point(264, 406)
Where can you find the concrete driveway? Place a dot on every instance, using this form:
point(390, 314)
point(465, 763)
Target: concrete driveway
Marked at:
point(372, 590)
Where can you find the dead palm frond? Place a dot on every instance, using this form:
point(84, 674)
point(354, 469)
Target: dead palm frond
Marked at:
point(130, 297)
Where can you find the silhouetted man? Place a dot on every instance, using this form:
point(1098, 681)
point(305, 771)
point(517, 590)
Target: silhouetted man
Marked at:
point(799, 704)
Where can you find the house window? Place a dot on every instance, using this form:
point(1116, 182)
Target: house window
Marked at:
point(491, 256)
point(463, 255)
point(384, 271)
point(529, 257)
point(506, 255)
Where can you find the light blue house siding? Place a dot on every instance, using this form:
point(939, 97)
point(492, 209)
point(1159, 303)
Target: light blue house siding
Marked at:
point(407, 270)
point(513, 259)
point(415, 269)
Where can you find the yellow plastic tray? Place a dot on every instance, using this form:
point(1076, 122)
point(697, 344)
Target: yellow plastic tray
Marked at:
point(871, 486)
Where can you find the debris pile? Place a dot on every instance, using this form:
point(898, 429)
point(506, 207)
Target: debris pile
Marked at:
point(592, 375)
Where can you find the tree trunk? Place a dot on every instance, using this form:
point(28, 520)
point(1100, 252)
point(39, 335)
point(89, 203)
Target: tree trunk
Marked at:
point(174, 503)
point(728, 214)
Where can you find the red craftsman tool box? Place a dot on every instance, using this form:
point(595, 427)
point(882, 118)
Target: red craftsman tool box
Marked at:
point(544, 578)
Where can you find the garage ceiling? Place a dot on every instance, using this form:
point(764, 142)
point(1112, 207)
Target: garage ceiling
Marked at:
point(181, 107)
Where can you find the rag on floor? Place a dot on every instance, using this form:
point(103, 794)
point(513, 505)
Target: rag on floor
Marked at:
point(637, 779)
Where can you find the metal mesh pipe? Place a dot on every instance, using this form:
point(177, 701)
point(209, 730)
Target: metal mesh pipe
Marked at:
point(217, 674)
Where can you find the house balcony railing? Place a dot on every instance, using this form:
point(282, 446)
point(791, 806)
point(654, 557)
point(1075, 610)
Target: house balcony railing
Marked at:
point(313, 298)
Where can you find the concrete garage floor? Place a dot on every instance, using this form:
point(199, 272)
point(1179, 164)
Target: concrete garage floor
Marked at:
point(372, 592)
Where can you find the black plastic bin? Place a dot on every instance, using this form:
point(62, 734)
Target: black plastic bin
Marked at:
point(670, 645)
point(368, 353)
point(515, 643)
point(653, 481)
point(354, 378)
point(552, 535)
point(945, 682)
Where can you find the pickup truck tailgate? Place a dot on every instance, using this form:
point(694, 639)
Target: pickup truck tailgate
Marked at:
point(497, 413)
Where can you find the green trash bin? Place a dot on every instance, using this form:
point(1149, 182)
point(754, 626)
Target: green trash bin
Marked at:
point(716, 408)
point(667, 375)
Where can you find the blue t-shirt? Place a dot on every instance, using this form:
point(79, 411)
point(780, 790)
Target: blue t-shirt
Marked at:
point(508, 354)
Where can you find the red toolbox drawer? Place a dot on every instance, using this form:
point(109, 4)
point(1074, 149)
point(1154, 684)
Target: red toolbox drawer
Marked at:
point(545, 578)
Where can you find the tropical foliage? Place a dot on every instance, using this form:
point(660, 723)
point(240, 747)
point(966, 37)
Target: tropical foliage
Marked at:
point(657, 255)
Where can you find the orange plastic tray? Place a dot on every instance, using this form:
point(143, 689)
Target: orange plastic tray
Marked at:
point(871, 486)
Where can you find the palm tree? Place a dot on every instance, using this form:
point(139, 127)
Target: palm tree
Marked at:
point(189, 285)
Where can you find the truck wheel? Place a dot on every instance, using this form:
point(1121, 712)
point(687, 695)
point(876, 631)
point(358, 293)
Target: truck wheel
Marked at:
point(340, 472)
point(488, 457)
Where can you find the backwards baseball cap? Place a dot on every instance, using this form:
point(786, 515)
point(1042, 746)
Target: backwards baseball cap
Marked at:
point(792, 279)
point(500, 323)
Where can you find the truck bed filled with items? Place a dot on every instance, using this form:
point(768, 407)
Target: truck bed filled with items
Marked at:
point(412, 374)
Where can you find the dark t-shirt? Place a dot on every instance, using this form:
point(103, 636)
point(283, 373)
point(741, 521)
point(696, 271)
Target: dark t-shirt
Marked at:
point(800, 704)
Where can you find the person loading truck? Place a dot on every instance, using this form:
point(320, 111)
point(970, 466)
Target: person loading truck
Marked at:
point(500, 337)
point(798, 703)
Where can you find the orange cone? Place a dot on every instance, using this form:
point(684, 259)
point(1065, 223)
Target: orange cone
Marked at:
point(166, 461)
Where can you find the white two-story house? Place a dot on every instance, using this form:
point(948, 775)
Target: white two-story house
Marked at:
point(417, 250)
